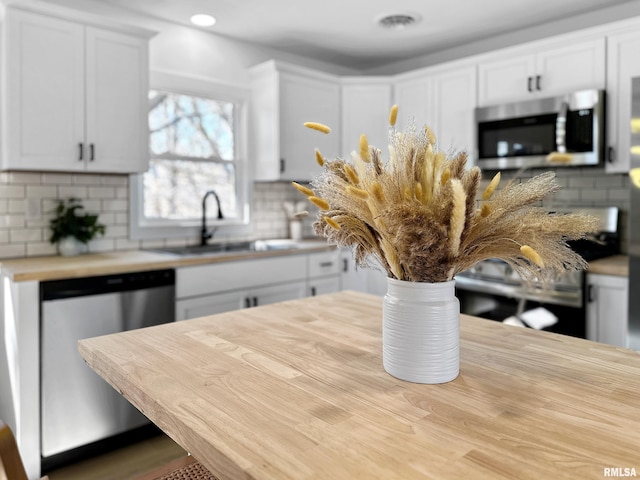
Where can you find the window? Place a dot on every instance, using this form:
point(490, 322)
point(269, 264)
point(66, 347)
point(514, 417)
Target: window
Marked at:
point(195, 145)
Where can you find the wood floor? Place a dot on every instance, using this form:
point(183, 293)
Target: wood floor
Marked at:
point(123, 464)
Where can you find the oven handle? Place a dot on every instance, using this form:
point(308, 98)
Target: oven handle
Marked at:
point(569, 298)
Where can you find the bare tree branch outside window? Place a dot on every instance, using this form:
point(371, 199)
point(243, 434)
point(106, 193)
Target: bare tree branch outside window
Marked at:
point(192, 148)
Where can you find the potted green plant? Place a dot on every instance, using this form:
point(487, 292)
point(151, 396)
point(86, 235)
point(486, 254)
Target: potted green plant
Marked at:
point(72, 228)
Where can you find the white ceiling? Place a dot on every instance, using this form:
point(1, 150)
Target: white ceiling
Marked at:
point(345, 32)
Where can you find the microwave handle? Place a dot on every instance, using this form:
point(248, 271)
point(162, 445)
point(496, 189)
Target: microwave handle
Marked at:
point(561, 128)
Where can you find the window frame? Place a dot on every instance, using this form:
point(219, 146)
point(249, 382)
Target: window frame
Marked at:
point(143, 229)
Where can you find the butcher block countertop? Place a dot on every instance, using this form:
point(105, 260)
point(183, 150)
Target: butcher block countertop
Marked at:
point(308, 398)
point(58, 267)
point(617, 265)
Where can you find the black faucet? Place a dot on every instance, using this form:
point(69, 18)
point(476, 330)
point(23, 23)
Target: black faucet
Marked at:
point(205, 234)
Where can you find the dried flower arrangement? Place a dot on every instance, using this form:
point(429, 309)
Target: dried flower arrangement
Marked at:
point(417, 213)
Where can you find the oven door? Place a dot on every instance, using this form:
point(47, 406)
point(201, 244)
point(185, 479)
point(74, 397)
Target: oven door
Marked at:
point(498, 301)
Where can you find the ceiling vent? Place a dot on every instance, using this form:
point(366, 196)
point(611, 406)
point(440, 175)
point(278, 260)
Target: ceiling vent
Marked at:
point(398, 21)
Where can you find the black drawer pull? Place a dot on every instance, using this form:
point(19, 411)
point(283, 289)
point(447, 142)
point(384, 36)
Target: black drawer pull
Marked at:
point(326, 264)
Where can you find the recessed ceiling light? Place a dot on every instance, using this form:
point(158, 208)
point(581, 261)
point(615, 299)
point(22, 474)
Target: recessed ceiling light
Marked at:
point(398, 21)
point(203, 20)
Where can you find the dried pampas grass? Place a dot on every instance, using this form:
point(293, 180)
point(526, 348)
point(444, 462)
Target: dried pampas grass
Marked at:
point(417, 215)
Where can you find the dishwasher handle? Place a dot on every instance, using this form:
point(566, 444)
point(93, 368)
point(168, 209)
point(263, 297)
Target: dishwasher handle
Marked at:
point(80, 287)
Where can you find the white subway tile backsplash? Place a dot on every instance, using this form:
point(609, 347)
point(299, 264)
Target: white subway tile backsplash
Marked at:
point(27, 235)
point(72, 191)
point(12, 221)
point(115, 180)
point(126, 244)
point(42, 191)
point(17, 206)
point(108, 195)
point(41, 248)
point(12, 191)
point(122, 218)
point(24, 178)
point(115, 206)
point(56, 179)
point(117, 231)
point(102, 192)
point(86, 179)
point(102, 244)
point(13, 250)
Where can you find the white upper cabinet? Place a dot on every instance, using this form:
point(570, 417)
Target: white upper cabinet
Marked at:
point(366, 102)
point(75, 96)
point(284, 97)
point(443, 97)
point(541, 70)
point(623, 63)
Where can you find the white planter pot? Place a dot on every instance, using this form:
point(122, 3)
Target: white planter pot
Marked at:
point(421, 331)
point(70, 246)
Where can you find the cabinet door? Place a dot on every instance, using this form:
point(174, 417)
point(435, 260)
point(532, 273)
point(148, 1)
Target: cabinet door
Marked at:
point(454, 102)
point(505, 80)
point(572, 67)
point(276, 293)
point(210, 304)
point(623, 65)
point(551, 70)
point(117, 88)
point(365, 109)
point(43, 116)
point(607, 303)
point(303, 100)
point(322, 286)
point(351, 277)
point(414, 100)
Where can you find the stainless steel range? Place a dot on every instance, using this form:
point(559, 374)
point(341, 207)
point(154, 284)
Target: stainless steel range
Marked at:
point(492, 289)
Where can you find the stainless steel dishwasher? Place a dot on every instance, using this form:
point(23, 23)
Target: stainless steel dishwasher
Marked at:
point(77, 406)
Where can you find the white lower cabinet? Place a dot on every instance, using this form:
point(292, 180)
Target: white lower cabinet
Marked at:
point(224, 302)
point(324, 272)
point(352, 277)
point(607, 304)
point(221, 287)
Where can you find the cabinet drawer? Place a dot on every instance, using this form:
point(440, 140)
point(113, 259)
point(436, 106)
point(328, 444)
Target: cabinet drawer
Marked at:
point(226, 276)
point(322, 264)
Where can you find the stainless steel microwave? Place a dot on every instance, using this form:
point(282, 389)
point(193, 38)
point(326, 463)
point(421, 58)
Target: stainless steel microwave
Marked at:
point(566, 130)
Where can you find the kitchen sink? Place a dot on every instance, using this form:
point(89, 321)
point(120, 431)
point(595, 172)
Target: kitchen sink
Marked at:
point(237, 247)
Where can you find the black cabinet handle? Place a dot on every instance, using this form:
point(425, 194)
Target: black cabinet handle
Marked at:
point(345, 265)
point(247, 302)
point(91, 152)
point(538, 83)
point(326, 264)
point(530, 84)
point(590, 297)
point(81, 151)
point(282, 165)
point(255, 301)
point(313, 291)
point(611, 155)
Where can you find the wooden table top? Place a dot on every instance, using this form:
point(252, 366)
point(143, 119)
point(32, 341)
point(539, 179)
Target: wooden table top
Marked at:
point(296, 390)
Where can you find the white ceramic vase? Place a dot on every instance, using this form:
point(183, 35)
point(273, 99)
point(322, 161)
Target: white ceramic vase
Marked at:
point(295, 229)
point(421, 331)
point(71, 246)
